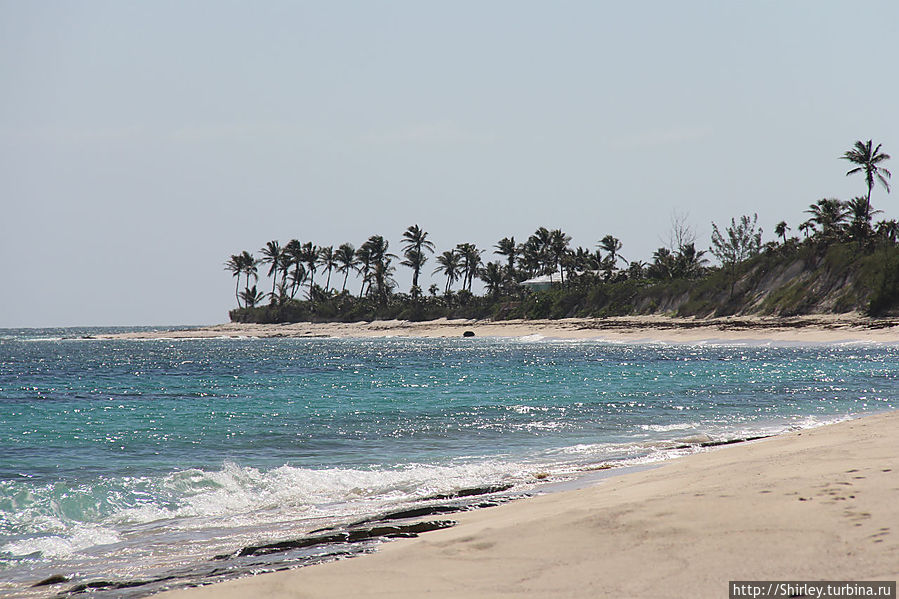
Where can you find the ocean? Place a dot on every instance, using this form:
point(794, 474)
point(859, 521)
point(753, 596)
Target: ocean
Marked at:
point(131, 466)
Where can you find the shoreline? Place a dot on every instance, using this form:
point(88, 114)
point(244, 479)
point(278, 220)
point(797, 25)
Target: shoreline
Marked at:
point(825, 328)
point(813, 504)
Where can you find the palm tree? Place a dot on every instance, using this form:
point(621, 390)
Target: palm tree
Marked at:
point(540, 243)
point(867, 160)
point(415, 243)
point(346, 261)
point(780, 230)
point(282, 293)
point(557, 248)
point(327, 260)
point(506, 247)
point(611, 245)
point(470, 262)
point(493, 276)
point(383, 273)
point(363, 260)
point(310, 259)
point(296, 278)
point(830, 213)
point(806, 227)
point(380, 259)
point(636, 269)
point(235, 266)
point(663, 264)
point(585, 260)
point(294, 251)
point(449, 266)
point(273, 255)
point(249, 266)
point(860, 217)
point(531, 257)
point(251, 297)
point(688, 262)
point(888, 230)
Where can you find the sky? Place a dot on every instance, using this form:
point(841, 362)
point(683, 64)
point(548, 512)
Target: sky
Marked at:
point(143, 142)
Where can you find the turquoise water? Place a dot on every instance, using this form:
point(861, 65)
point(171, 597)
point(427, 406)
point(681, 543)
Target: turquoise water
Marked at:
point(130, 458)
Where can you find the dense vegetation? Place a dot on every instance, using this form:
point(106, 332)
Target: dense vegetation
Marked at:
point(843, 262)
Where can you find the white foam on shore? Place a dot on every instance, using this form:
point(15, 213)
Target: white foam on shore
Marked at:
point(664, 428)
point(54, 546)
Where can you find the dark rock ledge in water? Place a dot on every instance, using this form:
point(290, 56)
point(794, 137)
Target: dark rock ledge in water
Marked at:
point(724, 442)
point(50, 580)
point(318, 546)
point(348, 536)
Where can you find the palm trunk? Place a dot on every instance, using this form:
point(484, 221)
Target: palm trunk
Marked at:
point(328, 284)
point(345, 277)
point(237, 290)
point(868, 202)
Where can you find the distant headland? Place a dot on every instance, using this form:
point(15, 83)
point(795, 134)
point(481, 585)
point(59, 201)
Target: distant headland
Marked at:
point(842, 260)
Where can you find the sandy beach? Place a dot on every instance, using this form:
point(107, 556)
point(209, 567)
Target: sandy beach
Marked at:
point(825, 328)
point(813, 505)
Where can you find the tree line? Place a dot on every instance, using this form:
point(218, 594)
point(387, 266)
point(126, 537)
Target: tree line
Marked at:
point(293, 267)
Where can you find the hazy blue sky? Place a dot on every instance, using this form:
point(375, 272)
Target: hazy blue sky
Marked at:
point(141, 143)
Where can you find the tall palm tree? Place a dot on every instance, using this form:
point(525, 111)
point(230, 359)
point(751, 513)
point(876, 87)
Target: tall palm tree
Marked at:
point(415, 244)
point(781, 229)
point(235, 266)
point(272, 255)
point(868, 160)
point(449, 266)
point(346, 261)
point(327, 260)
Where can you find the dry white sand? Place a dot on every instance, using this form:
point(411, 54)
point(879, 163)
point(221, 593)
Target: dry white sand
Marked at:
point(821, 504)
point(816, 329)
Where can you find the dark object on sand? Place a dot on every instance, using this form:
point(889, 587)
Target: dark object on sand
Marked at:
point(468, 334)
